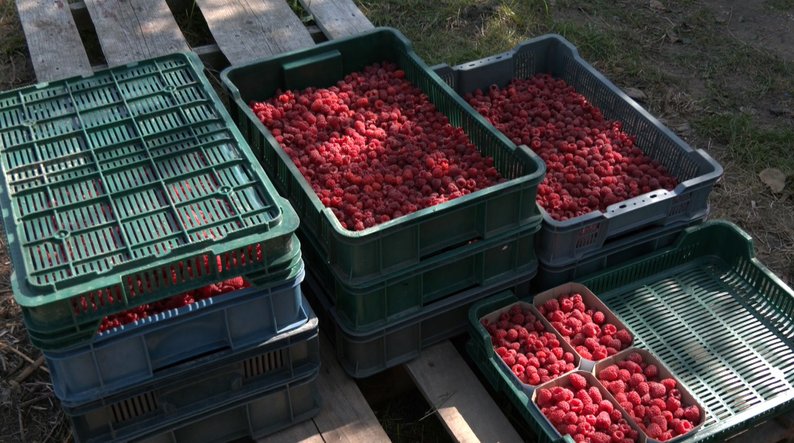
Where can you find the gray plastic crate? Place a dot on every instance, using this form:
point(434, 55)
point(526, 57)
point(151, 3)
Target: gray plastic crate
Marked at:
point(563, 242)
point(614, 252)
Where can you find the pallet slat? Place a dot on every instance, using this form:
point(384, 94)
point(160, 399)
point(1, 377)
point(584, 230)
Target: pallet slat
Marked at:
point(305, 432)
point(464, 406)
point(346, 415)
point(337, 18)
point(54, 44)
point(251, 29)
point(129, 31)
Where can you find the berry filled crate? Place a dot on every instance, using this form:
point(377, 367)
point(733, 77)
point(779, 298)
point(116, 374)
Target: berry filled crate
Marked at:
point(178, 339)
point(405, 241)
point(362, 354)
point(709, 310)
point(127, 187)
point(563, 242)
point(370, 306)
point(170, 400)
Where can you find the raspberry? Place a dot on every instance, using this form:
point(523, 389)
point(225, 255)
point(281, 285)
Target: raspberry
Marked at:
point(610, 373)
point(669, 383)
point(606, 406)
point(600, 437)
point(571, 418)
point(603, 420)
point(654, 431)
point(576, 405)
point(657, 390)
point(673, 404)
point(634, 397)
point(577, 381)
point(595, 394)
point(624, 375)
point(598, 317)
point(624, 336)
point(692, 413)
point(651, 371)
point(634, 357)
point(555, 416)
point(643, 388)
point(636, 379)
point(682, 427)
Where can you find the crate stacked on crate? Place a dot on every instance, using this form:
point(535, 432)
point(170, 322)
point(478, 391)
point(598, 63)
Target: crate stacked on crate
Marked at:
point(591, 138)
point(709, 328)
point(395, 258)
point(156, 266)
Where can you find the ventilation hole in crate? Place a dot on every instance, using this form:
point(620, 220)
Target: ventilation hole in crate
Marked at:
point(134, 407)
point(264, 364)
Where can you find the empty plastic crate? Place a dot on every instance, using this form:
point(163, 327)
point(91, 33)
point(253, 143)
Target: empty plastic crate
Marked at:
point(167, 401)
point(371, 305)
point(177, 340)
point(362, 354)
point(127, 187)
point(717, 318)
point(266, 414)
point(562, 242)
point(404, 241)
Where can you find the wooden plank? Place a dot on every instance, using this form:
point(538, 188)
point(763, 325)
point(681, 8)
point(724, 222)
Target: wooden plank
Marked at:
point(465, 408)
point(251, 29)
point(132, 30)
point(56, 50)
point(346, 415)
point(305, 432)
point(337, 18)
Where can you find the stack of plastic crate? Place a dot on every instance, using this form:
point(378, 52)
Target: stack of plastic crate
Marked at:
point(156, 267)
point(391, 289)
point(576, 247)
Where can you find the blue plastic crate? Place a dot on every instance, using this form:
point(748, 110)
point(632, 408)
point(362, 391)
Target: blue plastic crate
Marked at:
point(217, 385)
point(177, 340)
point(259, 417)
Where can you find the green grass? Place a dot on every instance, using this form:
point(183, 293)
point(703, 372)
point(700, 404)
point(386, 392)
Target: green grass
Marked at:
point(748, 142)
point(456, 31)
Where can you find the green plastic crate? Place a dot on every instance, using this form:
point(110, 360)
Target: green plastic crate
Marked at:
point(711, 312)
point(125, 187)
point(374, 304)
point(405, 241)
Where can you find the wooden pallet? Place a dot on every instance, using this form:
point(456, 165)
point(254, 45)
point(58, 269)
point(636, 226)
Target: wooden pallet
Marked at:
point(243, 30)
point(130, 30)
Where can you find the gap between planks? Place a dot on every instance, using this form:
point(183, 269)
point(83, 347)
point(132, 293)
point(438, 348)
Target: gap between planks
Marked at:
point(454, 392)
point(345, 415)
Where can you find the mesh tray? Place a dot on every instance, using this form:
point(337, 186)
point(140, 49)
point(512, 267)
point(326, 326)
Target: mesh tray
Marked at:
point(164, 403)
point(712, 313)
point(404, 241)
point(563, 242)
point(126, 187)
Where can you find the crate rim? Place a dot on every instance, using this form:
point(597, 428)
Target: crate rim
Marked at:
point(394, 224)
